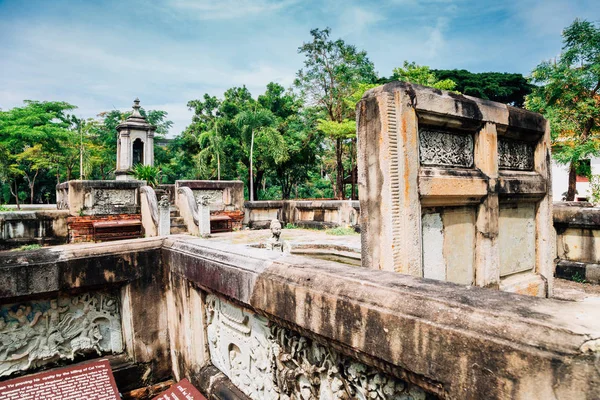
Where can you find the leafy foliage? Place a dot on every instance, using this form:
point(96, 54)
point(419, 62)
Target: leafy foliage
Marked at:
point(496, 86)
point(568, 97)
point(422, 75)
point(148, 173)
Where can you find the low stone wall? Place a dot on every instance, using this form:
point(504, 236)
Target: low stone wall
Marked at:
point(29, 227)
point(281, 325)
point(577, 241)
point(74, 302)
point(318, 214)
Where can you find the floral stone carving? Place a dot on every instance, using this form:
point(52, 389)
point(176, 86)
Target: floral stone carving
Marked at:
point(39, 332)
point(446, 149)
point(267, 361)
point(513, 154)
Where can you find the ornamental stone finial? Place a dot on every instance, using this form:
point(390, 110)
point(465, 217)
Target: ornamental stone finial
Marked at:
point(136, 108)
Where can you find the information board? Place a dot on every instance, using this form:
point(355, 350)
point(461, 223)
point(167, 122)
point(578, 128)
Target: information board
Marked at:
point(181, 391)
point(90, 381)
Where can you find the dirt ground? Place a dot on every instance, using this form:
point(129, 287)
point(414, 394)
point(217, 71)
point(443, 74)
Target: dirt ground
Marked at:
point(576, 291)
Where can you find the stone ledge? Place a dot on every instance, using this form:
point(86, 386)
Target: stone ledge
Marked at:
point(581, 270)
point(434, 331)
point(455, 341)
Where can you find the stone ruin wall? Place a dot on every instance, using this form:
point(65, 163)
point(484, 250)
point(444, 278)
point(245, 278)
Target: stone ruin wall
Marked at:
point(455, 188)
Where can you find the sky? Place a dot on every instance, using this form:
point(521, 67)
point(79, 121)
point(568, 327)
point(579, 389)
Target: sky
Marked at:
point(100, 55)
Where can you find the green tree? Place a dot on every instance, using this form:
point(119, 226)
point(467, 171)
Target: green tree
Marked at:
point(568, 97)
point(507, 88)
point(31, 135)
point(211, 143)
point(253, 122)
point(421, 75)
point(332, 71)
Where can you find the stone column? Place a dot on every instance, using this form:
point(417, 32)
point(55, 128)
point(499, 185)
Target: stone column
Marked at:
point(149, 149)
point(204, 216)
point(164, 216)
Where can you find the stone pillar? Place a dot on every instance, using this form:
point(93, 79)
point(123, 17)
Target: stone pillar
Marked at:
point(204, 215)
point(164, 216)
point(454, 188)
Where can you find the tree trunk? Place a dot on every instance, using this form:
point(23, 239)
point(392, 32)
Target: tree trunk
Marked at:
point(339, 181)
point(16, 194)
point(572, 181)
point(251, 191)
point(353, 195)
point(218, 167)
point(259, 177)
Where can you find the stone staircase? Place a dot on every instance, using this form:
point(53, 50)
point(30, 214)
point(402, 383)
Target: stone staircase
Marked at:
point(177, 223)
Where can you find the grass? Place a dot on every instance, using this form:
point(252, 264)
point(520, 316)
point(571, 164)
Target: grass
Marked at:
point(4, 208)
point(578, 277)
point(291, 226)
point(29, 247)
point(341, 231)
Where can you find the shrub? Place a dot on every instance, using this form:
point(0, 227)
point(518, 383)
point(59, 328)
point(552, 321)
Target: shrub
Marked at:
point(148, 173)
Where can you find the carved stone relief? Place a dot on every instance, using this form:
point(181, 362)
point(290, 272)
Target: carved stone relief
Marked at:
point(446, 149)
point(513, 154)
point(267, 361)
point(108, 201)
point(214, 198)
point(39, 332)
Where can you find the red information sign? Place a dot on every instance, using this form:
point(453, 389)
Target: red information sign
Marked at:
point(181, 391)
point(90, 381)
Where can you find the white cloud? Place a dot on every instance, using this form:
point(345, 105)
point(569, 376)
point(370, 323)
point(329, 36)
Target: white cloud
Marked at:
point(354, 19)
point(435, 42)
point(227, 9)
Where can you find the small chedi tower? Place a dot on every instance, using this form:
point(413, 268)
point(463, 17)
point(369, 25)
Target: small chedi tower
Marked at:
point(135, 144)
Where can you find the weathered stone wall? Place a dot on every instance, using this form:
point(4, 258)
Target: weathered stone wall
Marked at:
point(99, 197)
point(303, 213)
point(449, 340)
point(577, 241)
point(455, 188)
point(288, 325)
point(67, 303)
point(29, 227)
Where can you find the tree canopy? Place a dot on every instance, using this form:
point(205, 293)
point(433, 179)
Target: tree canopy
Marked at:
point(284, 142)
point(568, 97)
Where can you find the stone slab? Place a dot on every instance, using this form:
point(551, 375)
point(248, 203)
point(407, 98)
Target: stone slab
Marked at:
point(183, 390)
point(91, 381)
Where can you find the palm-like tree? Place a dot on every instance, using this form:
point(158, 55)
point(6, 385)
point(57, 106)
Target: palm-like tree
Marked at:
point(211, 142)
point(252, 122)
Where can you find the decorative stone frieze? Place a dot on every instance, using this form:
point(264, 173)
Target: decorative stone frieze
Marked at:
point(444, 148)
point(514, 154)
point(267, 361)
point(40, 332)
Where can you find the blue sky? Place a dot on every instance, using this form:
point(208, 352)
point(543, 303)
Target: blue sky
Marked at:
point(100, 55)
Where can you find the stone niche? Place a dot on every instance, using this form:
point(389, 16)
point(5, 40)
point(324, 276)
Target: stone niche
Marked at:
point(455, 188)
point(38, 332)
point(267, 361)
point(99, 197)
